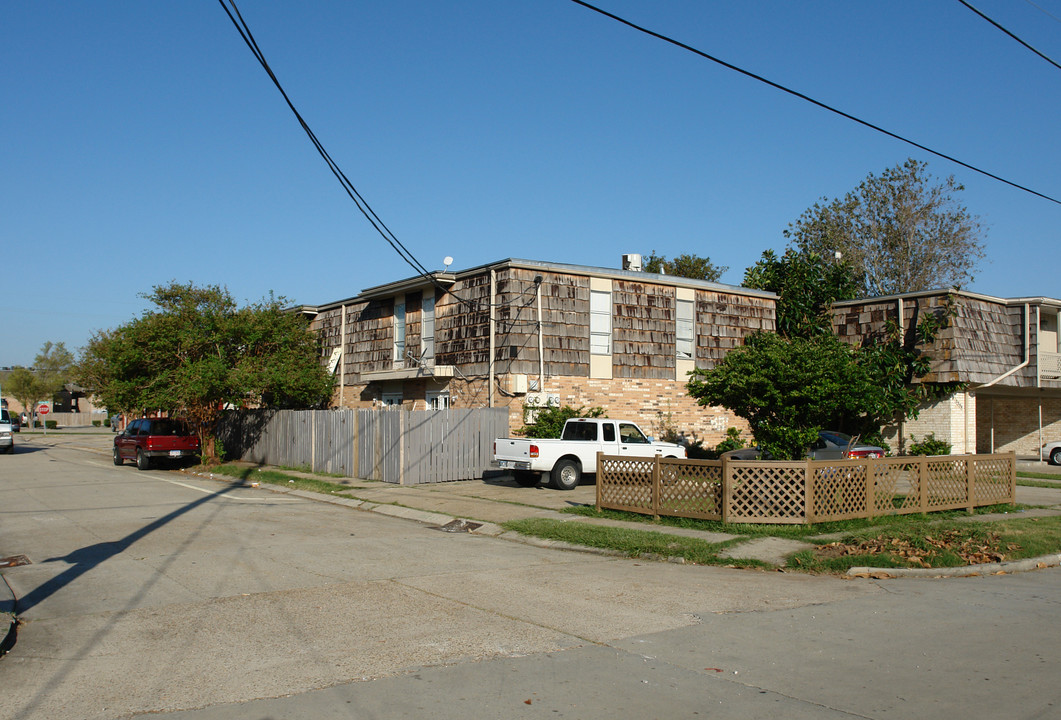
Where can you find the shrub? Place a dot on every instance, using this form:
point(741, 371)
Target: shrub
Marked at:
point(51, 424)
point(733, 441)
point(549, 422)
point(929, 445)
point(96, 423)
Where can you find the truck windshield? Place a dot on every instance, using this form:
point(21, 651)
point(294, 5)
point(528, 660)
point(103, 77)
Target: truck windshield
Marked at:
point(586, 431)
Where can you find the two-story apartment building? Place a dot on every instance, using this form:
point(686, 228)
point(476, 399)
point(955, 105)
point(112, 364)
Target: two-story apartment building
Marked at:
point(522, 333)
point(1005, 351)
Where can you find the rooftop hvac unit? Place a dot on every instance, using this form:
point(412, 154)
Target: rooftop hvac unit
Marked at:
point(632, 262)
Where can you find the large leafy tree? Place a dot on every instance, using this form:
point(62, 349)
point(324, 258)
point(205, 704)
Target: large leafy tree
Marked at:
point(901, 231)
point(198, 352)
point(685, 265)
point(786, 388)
point(806, 287)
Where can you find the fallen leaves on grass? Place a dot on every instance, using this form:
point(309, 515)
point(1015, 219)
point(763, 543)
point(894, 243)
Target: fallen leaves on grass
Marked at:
point(978, 550)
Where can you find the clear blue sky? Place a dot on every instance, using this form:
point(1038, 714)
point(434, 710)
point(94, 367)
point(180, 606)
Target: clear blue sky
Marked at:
point(142, 143)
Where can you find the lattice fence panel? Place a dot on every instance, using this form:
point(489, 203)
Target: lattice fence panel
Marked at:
point(838, 491)
point(691, 488)
point(625, 483)
point(772, 492)
point(946, 484)
point(992, 480)
point(896, 487)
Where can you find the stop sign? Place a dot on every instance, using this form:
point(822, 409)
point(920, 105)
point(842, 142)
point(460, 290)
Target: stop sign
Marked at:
point(43, 409)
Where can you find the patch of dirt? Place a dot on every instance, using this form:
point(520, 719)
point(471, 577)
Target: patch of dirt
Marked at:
point(987, 548)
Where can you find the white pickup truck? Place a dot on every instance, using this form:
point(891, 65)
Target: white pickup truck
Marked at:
point(575, 453)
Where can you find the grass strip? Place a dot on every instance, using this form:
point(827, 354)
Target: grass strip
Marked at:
point(633, 543)
point(792, 532)
point(277, 477)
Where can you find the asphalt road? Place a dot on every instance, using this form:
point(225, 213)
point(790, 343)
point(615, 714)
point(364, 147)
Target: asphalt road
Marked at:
point(164, 595)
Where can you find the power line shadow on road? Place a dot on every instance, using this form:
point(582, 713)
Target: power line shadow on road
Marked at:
point(84, 559)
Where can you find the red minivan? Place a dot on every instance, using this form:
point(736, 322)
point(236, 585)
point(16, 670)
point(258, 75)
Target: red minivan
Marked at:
point(150, 439)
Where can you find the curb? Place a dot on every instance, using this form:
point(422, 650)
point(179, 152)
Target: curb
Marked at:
point(1013, 566)
point(8, 617)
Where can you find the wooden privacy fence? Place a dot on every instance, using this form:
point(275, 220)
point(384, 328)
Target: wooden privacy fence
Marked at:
point(392, 445)
point(806, 491)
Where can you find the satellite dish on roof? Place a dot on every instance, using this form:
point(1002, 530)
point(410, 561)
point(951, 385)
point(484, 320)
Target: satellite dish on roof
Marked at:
point(447, 261)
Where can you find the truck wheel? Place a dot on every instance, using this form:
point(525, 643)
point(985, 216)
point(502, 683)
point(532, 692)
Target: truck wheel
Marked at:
point(566, 474)
point(117, 457)
point(143, 462)
point(526, 478)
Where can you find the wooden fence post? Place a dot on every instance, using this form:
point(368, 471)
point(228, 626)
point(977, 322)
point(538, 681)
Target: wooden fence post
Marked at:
point(726, 486)
point(600, 476)
point(970, 484)
point(808, 494)
point(922, 482)
point(655, 486)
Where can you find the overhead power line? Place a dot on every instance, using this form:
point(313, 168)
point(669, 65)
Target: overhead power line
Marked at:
point(985, 17)
point(811, 100)
point(362, 205)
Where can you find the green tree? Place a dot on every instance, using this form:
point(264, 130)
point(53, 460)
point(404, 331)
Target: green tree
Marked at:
point(899, 232)
point(197, 353)
point(685, 265)
point(24, 386)
point(53, 368)
point(549, 422)
point(786, 388)
point(806, 286)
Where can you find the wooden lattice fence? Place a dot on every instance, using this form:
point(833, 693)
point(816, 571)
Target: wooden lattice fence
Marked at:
point(806, 491)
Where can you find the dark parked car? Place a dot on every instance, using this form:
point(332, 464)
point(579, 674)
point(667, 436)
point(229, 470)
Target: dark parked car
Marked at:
point(831, 445)
point(149, 439)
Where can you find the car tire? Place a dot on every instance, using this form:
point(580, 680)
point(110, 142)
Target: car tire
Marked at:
point(566, 474)
point(526, 478)
point(143, 462)
point(117, 457)
point(1055, 456)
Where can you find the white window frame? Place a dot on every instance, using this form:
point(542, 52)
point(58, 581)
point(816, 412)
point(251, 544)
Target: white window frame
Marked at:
point(685, 329)
point(427, 327)
point(600, 322)
point(399, 332)
point(437, 399)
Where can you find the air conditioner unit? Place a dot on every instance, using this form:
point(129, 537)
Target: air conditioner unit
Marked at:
point(553, 401)
point(517, 384)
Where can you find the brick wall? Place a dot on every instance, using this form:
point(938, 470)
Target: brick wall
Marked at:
point(1011, 423)
point(952, 419)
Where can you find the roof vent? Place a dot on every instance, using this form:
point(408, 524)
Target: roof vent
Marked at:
point(632, 262)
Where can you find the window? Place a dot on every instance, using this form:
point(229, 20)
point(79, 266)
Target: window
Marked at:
point(609, 432)
point(631, 434)
point(392, 399)
point(427, 327)
point(685, 330)
point(580, 431)
point(399, 332)
point(438, 399)
point(600, 322)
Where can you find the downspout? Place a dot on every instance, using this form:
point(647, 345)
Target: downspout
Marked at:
point(541, 347)
point(1039, 372)
point(493, 327)
point(902, 342)
point(342, 360)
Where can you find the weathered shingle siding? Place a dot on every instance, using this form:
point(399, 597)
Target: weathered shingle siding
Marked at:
point(982, 340)
point(723, 320)
point(643, 330)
